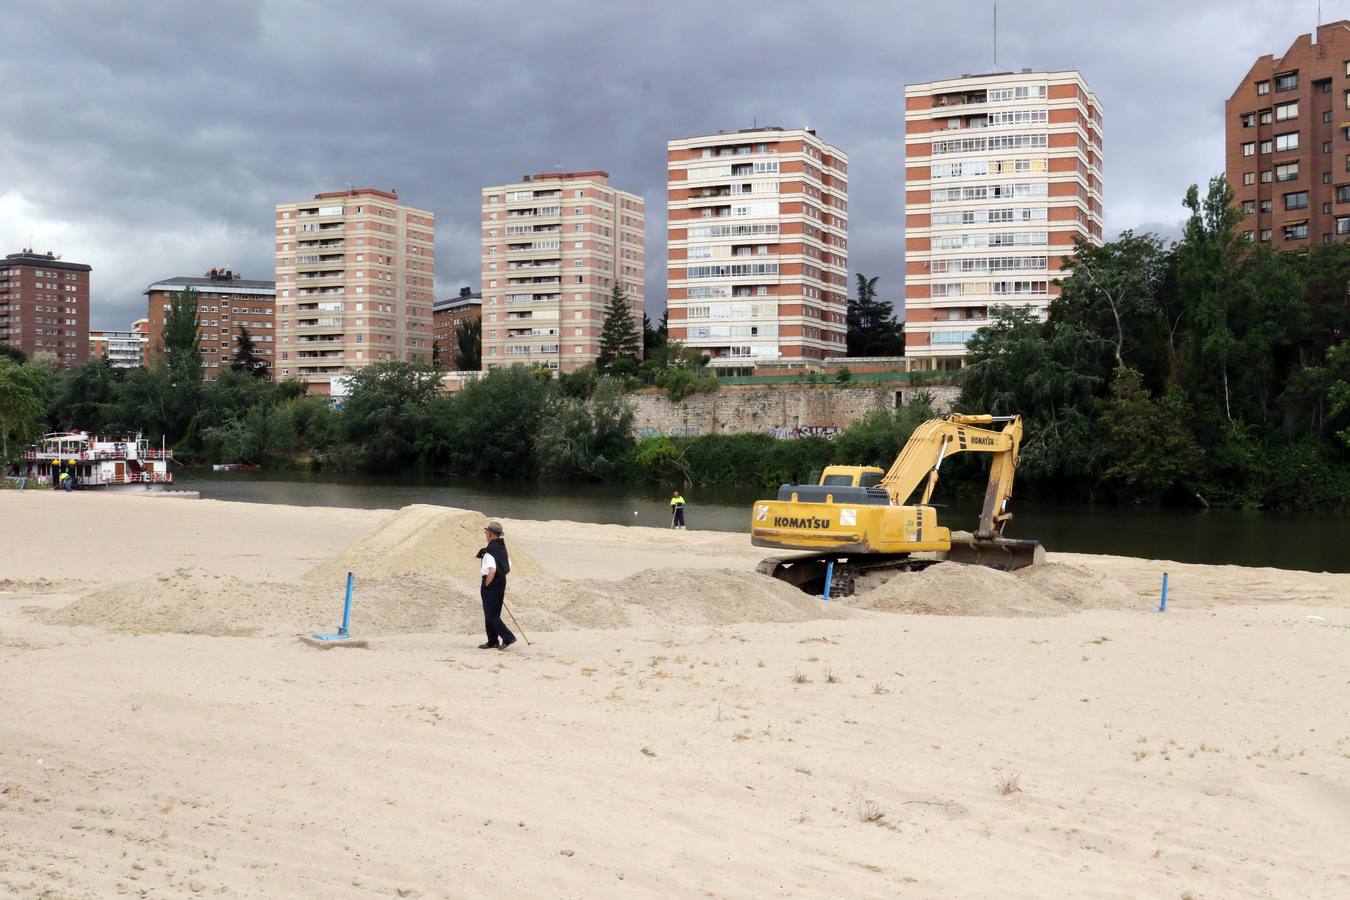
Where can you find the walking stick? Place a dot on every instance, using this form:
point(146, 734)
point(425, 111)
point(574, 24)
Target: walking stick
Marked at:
point(514, 622)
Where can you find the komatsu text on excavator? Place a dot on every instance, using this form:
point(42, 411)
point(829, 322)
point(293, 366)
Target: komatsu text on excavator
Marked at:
point(859, 519)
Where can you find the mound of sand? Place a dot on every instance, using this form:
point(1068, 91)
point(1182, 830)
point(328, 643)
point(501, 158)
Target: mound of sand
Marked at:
point(954, 589)
point(192, 602)
point(437, 541)
point(673, 597)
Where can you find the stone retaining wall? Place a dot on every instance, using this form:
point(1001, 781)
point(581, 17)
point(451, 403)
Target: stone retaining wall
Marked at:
point(783, 410)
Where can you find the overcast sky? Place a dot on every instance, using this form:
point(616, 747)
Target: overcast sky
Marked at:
point(151, 140)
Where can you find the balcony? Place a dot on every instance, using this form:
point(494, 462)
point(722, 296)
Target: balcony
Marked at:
point(329, 275)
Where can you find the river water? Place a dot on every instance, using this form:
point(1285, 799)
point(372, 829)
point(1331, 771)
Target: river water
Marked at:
point(1315, 542)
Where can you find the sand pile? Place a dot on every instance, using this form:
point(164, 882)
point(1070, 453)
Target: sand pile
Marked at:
point(438, 541)
point(954, 589)
point(674, 597)
point(192, 602)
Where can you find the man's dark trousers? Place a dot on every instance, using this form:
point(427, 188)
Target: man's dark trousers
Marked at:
point(494, 595)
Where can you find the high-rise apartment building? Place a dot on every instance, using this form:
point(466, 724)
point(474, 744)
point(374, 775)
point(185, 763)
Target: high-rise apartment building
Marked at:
point(44, 307)
point(122, 349)
point(554, 246)
point(226, 303)
point(1002, 172)
point(1287, 131)
point(758, 246)
point(355, 272)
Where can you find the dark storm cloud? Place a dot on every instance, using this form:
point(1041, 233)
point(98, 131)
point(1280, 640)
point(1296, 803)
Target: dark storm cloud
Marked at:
point(154, 139)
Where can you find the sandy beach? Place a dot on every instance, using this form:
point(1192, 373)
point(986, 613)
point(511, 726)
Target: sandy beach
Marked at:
point(679, 725)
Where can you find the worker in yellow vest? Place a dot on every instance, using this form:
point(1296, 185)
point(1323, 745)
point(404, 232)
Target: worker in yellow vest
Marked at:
point(677, 511)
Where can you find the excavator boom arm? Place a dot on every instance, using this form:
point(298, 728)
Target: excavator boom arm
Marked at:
point(933, 441)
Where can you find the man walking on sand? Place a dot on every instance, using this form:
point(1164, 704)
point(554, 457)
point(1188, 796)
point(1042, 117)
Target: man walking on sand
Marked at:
point(495, 566)
point(676, 511)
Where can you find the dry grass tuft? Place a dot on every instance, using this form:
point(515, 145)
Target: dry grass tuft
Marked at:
point(1009, 783)
point(799, 677)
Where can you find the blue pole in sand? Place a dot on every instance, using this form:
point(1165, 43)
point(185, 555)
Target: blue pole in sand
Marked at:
point(829, 577)
point(347, 604)
point(1162, 607)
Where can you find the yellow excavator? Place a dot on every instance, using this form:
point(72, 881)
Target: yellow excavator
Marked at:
point(858, 520)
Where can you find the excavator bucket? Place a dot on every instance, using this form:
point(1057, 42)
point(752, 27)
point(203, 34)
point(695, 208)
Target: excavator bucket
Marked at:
point(996, 553)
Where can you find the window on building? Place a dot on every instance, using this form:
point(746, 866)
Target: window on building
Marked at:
point(1296, 200)
point(1326, 146)
point(1343, 224)
point(1265, 206)
point(1248, 235)
point(1286, 171)
point(1326, 178)
point(1265, 148)
point(1249, 178)
point(1265, 234)
point(1249, 149)
point(1286, 82)
point(1263, 87)
point(1249, 206)
point(1326, 115)
point(1326, 208)
point(1286, 142)
point(1296, 231)
point(1286, 111)
point(1343, 193)
point(1248, 120)
point(1266, 176)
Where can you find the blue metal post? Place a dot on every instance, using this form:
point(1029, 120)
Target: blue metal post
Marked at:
point(1162, 607)
point(347, 604)
point(829, 578)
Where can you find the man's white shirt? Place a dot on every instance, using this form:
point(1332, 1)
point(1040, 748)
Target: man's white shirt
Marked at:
point(488, 564)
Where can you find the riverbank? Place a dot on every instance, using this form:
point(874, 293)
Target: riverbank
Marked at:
point(677, 726)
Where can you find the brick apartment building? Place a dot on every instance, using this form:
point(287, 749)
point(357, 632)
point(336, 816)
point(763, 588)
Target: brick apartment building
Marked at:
point(355, 273)
point(44, 307)
point(446, 317)
point(758, 246)
point(554, 244)
point(122, 349)
point(1002, 172)
point(1287, 137)
point(225, 303)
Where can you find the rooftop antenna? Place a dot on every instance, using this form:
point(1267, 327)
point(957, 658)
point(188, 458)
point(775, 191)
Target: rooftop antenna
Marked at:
point(996, 34)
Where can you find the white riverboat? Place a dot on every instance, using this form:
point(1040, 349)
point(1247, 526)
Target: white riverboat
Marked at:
point(110, 462)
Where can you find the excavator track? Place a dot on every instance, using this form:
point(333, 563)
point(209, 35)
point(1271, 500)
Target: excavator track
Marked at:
point(808, 571)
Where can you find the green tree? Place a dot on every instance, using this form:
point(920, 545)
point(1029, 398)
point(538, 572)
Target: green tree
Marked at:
point(13, 354)
point(1207, 260)
point(1148, 446)
point(652, 337)
point(246, 358)
point(872, 327)
point(1046, 373)
point(469, 345)
point(86, 397)
point(619, 336)
point(494, 421)
point(181, 365)
point(182, 346)
point(23, 399)
point(1117, 291)
point(586, 438)
point(381, 416)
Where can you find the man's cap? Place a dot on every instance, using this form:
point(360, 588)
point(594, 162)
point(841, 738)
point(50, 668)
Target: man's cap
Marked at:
point(494, 527)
